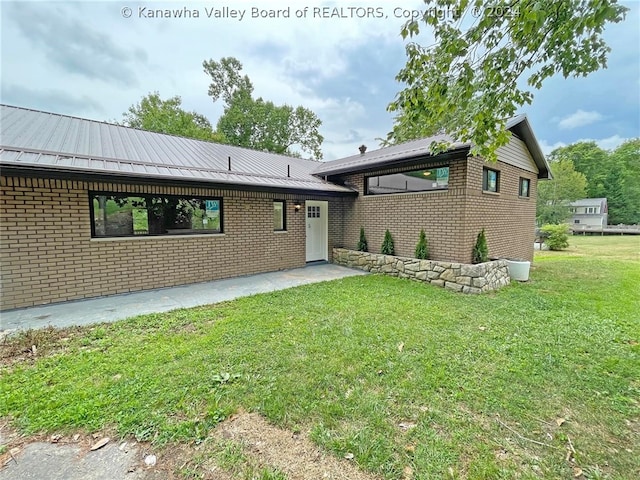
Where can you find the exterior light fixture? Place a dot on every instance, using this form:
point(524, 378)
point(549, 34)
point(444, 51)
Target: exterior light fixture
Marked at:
point(297, 206)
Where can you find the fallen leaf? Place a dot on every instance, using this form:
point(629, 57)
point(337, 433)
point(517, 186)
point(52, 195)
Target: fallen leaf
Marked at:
point(150, 460)
point(410, 448)
point(14, 451)
point(408, 472)
point(400, 346)
point(379, 372)
point(76, 437)
point(349, 456)
point(55, 438)
point(407, 425)
point(482, 328)
point(100, 443)
point(577, 472)
point(560, 421)
point(451, 474)
point(34, 349)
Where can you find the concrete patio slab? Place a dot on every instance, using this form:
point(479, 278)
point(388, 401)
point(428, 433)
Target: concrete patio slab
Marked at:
point(119, 307)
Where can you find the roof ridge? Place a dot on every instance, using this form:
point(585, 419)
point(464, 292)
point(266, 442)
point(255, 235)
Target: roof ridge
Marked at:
point(102, 122)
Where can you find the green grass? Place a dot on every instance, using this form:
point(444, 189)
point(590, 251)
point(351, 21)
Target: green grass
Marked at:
point(396, 372)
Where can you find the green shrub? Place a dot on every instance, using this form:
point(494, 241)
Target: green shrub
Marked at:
point(387, 244)
point(480, 249)
point(556, 236)
point(422, 248)
point(362, 244)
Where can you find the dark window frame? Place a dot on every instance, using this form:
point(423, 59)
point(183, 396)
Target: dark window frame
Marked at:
point(284, 215)
point(521, 183)
point(485, 180)
point(409, 170)
point(93, 193)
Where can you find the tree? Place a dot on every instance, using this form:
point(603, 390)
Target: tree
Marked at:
point(166, 116)
point(626, 158)
point(226, 80)
point(422, 248)
point(589, 159)
point(388, 247)
point(556, 195)
point(362, 243)
point(257, 123)
point(480, 253)
point(614, 175)
point(470, 81)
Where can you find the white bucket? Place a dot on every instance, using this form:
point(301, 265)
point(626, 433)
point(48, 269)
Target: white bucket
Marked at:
point(519, 269)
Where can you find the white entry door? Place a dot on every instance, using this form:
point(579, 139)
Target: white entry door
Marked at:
point(317, 227)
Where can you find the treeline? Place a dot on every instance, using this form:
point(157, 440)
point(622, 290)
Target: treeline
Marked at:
point(584, 170)
point(246, 121)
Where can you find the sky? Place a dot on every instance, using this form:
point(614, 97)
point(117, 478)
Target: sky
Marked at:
point(95, 59)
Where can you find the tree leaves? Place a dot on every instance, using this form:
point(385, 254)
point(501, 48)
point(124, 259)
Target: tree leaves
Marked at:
point(613, 175)
point(257, 123)
point(555, 196)
point(166, 116)
point(470, 80)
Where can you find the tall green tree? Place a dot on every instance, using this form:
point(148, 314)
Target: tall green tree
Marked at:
point(555, 196)
point(167, 116)
point(487, 57)
point(627, 159)
point(257, 123)
point(591, 160)
point(614, 175)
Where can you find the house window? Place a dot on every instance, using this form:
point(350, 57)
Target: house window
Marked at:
point(279, 215)
point(576, 221)
point(490, 180)
point(127, 215)
point(524, 187)
point(410, 181)
point(313, 211)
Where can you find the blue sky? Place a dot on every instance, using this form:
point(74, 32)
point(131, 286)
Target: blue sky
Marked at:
point(89, 59)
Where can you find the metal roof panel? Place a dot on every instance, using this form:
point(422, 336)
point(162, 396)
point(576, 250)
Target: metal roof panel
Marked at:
point(50, 141)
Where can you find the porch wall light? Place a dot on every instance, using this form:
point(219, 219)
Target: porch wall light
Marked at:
point(297, 206)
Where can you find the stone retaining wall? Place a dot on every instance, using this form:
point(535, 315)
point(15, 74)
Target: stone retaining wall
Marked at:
point(459, 277)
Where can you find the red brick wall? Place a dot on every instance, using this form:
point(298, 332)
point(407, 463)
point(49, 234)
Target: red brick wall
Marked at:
point(47, 253)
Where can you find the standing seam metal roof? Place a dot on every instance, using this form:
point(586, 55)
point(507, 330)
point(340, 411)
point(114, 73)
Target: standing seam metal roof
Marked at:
point(35, 139)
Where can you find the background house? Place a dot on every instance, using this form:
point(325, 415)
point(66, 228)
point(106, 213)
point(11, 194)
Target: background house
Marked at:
point(90, 209)
point(589, 212)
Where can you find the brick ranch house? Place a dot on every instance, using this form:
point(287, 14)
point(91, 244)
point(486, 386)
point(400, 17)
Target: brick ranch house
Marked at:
point(90, 209)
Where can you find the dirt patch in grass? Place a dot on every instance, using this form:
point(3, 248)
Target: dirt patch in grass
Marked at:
point(293, 454)
point(29, 345)
point(264, 448)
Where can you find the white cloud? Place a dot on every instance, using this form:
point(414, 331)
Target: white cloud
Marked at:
point(579, 118)
point(610, 143)
point(547, 148)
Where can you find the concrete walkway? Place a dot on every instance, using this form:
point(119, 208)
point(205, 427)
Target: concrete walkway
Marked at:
point(119, 307)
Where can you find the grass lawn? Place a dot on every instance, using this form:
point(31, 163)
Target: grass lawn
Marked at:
point(538, 380)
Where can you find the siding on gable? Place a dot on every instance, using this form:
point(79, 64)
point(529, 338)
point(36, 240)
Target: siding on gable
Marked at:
point(517, 154)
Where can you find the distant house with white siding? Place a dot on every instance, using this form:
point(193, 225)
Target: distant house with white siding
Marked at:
point(589, 212)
